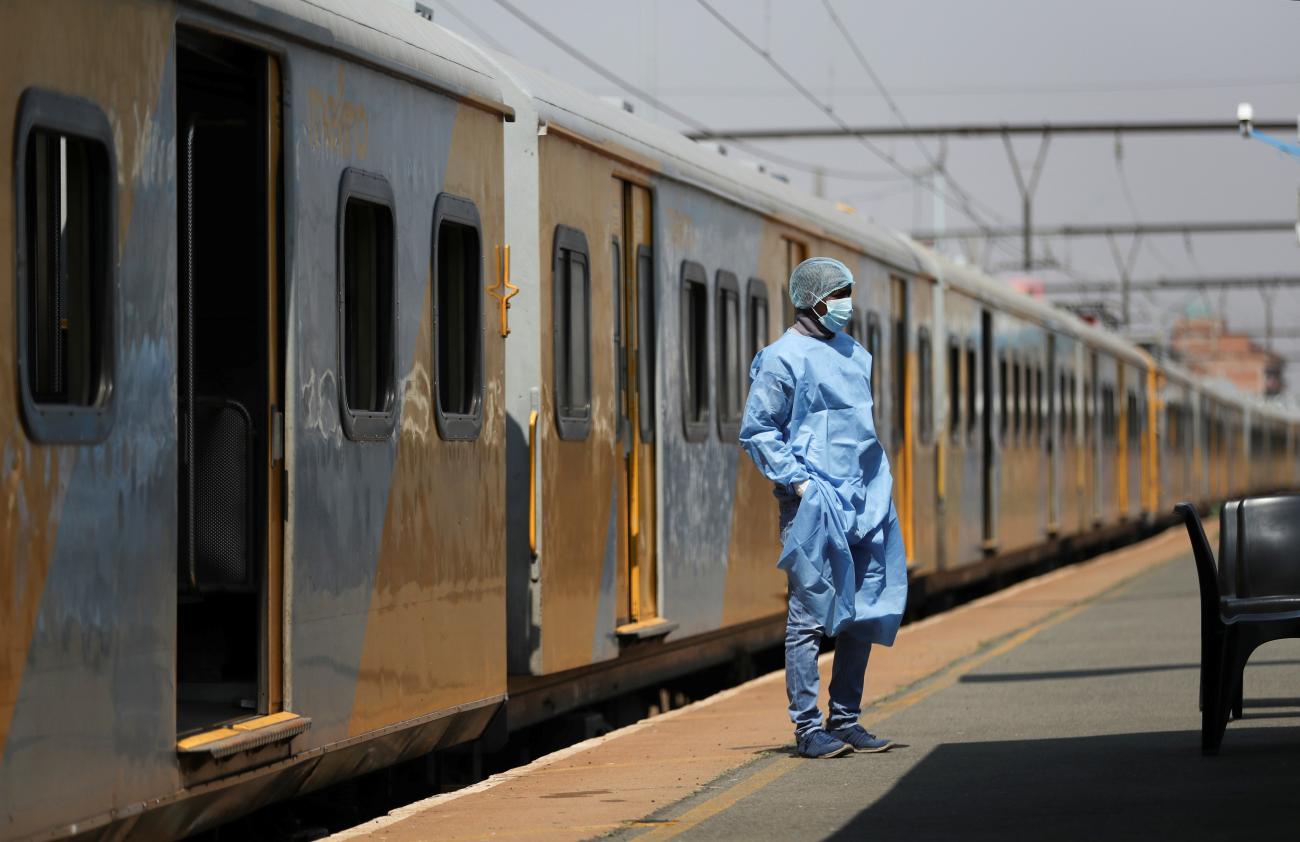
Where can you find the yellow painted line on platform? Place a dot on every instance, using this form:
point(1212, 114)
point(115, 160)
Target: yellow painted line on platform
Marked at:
point(882, 710)
point(727, 798)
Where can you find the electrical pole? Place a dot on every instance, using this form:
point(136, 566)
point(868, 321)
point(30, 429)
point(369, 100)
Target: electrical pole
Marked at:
point(1027, 191)
point(1268, 294)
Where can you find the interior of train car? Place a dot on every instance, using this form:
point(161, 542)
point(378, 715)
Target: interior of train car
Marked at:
point(229, 378)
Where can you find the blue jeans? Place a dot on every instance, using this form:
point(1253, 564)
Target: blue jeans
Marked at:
point(803, 637)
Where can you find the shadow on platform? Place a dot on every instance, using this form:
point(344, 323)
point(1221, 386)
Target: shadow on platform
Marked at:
point(1125, 786)
point(1102, 672)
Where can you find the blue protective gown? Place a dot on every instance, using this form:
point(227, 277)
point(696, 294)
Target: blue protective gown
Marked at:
point(809, 417)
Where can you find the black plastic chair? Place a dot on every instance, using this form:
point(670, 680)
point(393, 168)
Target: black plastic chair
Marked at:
point(1253, 596)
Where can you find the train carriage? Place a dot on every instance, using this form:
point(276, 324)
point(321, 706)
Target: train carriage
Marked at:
point(252, 416)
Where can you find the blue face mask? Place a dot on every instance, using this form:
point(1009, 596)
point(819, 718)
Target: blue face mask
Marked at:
point(838, 313)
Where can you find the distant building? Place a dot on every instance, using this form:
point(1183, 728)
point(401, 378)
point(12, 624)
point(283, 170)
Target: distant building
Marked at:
point(1207, 347)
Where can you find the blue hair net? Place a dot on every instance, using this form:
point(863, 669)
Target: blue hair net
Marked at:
point(816, 278)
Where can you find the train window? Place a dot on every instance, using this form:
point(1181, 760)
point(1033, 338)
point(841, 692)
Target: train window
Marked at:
point(730, 366)
point(1134, 420)
point(1108, 425)
point(972, 386)
point(954, 387)
point(1016, 397)
point(457, 318)
point(1075, 400)
point(66, 260)
point(695, 351)
point(571, 328)
point(1067, 399)
point(1063, 405)
point(759, 325)
point(367, 247)
point(1089, 400)
point(645, 342)
point(1074, 404)
point(1005, 415)
point(925, 362)
point(873, 348)
point(1039, 402)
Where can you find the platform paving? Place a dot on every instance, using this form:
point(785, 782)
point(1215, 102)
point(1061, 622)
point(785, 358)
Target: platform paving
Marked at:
point(1087, 730)
point(1062, 708)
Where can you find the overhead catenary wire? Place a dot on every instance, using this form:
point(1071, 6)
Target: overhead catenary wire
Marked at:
point(1136, 85)
point(682, 117)
point(935, 165)
point(965, 207)
point(469, 24)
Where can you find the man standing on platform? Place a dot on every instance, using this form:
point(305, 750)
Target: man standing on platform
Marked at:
point(808, 426)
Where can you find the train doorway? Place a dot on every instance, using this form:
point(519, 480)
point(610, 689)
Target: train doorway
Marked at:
point(639, 600)
point(987, 465)
point(229, 382)
point(900, 457)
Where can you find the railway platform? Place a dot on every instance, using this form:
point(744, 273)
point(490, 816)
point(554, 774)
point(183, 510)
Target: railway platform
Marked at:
point(1064, 708)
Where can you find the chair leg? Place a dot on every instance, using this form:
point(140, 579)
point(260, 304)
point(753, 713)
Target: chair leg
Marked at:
point(1212, 724)
point(1230, 666)
point(1236, 702)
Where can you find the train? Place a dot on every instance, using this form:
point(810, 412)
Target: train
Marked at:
point(364, 392)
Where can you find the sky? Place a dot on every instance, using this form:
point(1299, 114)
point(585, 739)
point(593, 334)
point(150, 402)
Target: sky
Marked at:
point(954, 61)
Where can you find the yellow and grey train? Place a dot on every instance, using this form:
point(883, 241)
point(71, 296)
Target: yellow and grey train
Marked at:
point(362, 391)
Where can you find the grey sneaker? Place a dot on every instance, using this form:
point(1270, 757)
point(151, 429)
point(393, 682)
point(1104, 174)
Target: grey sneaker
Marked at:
point(861, 739)
point(820, 745)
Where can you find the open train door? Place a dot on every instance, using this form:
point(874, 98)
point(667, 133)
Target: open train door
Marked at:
point(230, 389)
point(638, 581)
point(901, 429)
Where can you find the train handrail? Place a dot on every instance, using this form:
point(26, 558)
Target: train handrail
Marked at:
point(532, 482)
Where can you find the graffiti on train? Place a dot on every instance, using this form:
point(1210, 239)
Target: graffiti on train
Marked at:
point(337, 124)
point(417, 403)
point(320, 410)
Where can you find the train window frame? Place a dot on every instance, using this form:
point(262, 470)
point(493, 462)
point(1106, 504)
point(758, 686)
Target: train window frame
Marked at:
point(572, 416)
point(646, 336)
point(873, 349)
point(1016, 397)
point(696, 371)
point(53, 421)
point(1063, 404)
point(368, 425)
point(1089, 409)
point(974, 402)
point(1131, 419)
point(460, 212)
point(1004, 385)
point(726, 283)
point(1108, 420)
point(756, 294)
point(1074, 404)
point(1040, 405)
point(954, 389)
point(925, 384)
